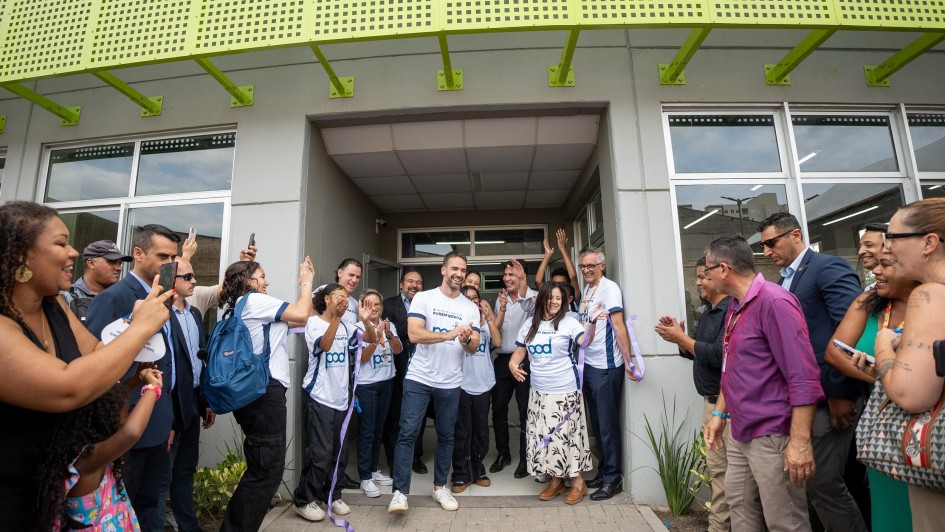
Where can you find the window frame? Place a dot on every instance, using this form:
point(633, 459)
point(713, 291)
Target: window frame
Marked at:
point(472, 257)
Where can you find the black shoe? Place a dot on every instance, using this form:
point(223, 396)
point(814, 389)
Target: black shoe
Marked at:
point(606, 492)
point(500, 462)
point(521, 471)
point(418, 467)
point(350, 483)
point(595, 482)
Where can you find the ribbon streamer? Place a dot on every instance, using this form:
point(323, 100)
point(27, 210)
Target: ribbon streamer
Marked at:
point(344, 430)
point(640, 372)
point(580, 367)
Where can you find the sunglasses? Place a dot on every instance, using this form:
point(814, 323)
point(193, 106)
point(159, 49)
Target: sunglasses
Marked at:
point(187, 277)
point(889, 237)
point(773, 240)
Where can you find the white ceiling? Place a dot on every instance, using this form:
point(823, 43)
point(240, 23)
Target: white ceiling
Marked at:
point(494, 163)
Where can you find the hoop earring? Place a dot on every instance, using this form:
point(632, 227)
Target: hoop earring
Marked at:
point(23, 274)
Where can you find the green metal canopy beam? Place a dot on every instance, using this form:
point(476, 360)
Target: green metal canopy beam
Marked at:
point(69, 116)
point(240, 96)
point(878, 75)
point(673, 73)
point(448, 79)
point(3, 123)
point(562, 74)
point(779, 74)
point(341, 87)
point(150, 106)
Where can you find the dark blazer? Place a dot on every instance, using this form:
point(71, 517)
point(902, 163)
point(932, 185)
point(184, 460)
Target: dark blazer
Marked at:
point(114, 302)
point(396, 312)
point(826, 287)
point(185, 395)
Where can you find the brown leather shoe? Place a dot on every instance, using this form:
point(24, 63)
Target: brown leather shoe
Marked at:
point(578, 489)
point(555, 487)
point(483, 481)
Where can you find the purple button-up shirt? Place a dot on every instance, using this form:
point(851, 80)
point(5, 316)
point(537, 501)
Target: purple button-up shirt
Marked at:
point(769, 365)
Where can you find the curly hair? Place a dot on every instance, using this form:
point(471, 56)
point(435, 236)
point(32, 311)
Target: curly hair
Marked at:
point(318, 298)
point(20, 225)
point(74, 435)
point(236, 281)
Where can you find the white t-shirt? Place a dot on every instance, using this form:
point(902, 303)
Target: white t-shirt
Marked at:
point(478, 371)
point(551, 354)
point(259, 310)
point(603, 352)
point(440, 365)
point(326, 380)
point(380, 367)
point(516, 313)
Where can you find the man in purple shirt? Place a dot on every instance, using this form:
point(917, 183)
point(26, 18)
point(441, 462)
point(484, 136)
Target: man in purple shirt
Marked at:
point(771, 386)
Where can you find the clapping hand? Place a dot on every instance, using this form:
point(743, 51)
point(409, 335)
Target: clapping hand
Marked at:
point(306, 272)
point(549, 251)
point(486, 310)
point(503, 299)
point(562, 240)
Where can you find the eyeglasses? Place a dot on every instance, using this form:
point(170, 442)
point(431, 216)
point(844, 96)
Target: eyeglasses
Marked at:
point(889, 237)
point(710, 268)
point(588, 267)
point(187, 277)
point(773, 240)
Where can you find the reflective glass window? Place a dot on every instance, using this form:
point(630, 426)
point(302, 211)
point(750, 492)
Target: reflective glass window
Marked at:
point(724, 144)
point(3, 162)
point(427, 244)
point(91, 172)
point(839, 143)
point(186, 164)
point(928, 140)
point(933, 190)
point(509, 242)
point(87, 227)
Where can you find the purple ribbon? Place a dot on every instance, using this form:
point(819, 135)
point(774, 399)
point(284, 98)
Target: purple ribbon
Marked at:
point(640, 372)
point(580, 370)
point(297, 330)
point(344, 431)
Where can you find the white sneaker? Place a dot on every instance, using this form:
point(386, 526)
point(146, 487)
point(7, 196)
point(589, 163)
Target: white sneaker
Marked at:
point(446, 500)
point(398, 503)
point(310, 511)
point(340, 508)
point(381, 479)
point(370, 489)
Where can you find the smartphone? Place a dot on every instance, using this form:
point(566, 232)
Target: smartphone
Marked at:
point(168, 277)
point(193, 234)
point(938, 353)
point(850, 351)
point(252, 240)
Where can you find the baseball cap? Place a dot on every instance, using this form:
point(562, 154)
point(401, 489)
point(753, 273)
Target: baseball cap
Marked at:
point(106, 249)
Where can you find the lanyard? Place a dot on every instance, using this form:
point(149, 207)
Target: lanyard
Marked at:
point(886, 317)
point(587, 299)
point(729, 331)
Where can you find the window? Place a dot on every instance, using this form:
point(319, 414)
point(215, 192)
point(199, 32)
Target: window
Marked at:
point(844, 143)
point(88, 173)
point(703, 144)
point(928, 141)
point(3, 163)
point(87, 227)
point(421, 246)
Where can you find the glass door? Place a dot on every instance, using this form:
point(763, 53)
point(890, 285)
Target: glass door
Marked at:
point(381, 275)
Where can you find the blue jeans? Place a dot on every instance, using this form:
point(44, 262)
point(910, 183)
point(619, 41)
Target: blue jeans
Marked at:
point(603, 389)
point(412, 415)
point(374, 402)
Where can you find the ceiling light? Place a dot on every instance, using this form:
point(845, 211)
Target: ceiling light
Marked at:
point(809, 156)
point(756, 187)
point(467, 242)
point(702, 218)
point(851, 215)
point(935, 187)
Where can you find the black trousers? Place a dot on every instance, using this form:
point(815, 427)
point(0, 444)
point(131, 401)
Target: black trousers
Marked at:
point(323, 430)
point(263, 422)
point(505, 387)
point(471, 437)
point(143, 476)
point(392, 424)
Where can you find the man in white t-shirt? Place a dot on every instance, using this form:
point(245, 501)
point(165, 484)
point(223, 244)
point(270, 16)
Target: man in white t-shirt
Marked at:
point(444, 325)
point(603, 370)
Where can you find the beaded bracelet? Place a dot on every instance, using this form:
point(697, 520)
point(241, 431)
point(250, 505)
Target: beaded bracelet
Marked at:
point(153, 387)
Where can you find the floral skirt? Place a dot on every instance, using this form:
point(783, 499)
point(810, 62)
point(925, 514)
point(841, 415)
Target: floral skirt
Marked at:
point(569, 452)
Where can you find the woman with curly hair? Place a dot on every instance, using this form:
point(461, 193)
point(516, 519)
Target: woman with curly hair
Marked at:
point(264, 420)
point(51, 363)
point(79, 478)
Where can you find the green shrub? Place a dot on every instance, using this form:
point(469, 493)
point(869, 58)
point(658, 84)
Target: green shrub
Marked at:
point(214, 487)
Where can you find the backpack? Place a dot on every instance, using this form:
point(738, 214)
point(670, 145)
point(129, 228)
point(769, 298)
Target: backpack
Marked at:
point(233, 375)
point(78, 301)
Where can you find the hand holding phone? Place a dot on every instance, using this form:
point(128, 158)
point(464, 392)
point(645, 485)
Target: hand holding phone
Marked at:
point(252, 240)
point(168, 275)
point(850, 351)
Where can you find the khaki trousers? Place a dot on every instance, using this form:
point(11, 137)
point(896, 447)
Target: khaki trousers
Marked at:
point(928, 509)
point(717, 463)
point(756, 484)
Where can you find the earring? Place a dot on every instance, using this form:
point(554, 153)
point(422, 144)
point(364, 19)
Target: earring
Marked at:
point(23, 274)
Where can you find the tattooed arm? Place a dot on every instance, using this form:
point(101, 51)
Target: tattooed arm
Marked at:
point(906, 367)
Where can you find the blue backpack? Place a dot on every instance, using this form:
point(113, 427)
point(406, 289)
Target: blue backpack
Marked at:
point(233, 376)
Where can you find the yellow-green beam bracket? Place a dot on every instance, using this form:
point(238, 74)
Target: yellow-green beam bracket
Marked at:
point(341, 87)
point(878, 75)
point(779, 74)
point(69, 116)
point(150, 105)
point(562, 74)
point(3, 123)
point(448, 79)
point(674, 73)
point(240, 96)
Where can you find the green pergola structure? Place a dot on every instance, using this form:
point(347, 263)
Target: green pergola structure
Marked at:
point(49, 38)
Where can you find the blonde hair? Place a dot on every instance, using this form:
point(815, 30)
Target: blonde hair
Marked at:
point(925, 216)
point(371, 292)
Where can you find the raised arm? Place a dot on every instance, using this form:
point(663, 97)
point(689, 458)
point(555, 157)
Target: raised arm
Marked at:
point(540, 272)
point(494, 333)
point(301, 310)
point(572, 271)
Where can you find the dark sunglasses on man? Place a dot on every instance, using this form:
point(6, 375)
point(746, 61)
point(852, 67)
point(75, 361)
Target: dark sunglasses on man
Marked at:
point(187, 277)
point(774, 240)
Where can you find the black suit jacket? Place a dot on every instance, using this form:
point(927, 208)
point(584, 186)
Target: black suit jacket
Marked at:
point(396, 312)
point(185, 395)
point(826, 287)
point(115, 302)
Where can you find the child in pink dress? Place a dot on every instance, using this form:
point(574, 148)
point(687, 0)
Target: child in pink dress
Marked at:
point(80, 480)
